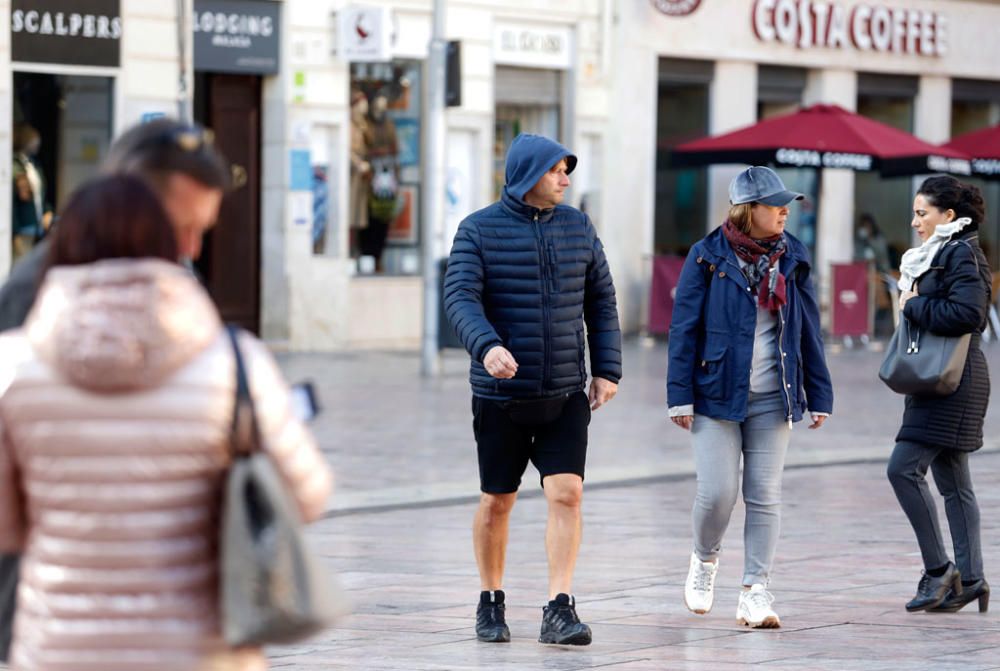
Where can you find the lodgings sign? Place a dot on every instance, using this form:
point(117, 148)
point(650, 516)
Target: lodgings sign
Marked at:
point(237, 36)
point(808, 24)
point(73, 32)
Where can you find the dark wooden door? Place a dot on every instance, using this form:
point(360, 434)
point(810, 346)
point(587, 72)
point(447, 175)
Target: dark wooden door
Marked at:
point(230, 260)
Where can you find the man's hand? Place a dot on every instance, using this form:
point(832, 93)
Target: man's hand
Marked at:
point(601, 391)
point(500, 363)
point(683, 421)
point(905, 296)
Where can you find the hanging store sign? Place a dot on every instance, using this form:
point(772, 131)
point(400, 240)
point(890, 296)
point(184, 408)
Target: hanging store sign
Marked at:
point(237, 36)
point(676, 7)
point(809, 24)
point(72, 32)
point(531, 46)
point(364, 34)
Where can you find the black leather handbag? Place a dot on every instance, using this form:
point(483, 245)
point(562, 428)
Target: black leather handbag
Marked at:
point(924, 363)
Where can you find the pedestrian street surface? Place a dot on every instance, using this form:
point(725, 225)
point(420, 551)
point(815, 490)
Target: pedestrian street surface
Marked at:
point(846, 564)
point(398, 535)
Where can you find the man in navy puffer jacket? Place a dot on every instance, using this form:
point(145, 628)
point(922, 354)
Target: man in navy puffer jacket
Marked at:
point(523, 277)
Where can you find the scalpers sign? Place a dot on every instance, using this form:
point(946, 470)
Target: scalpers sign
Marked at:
point(76, 32)
point(808, 24)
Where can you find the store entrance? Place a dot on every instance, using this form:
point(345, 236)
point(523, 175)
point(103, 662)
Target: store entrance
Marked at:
point(61, 132)
point(230, 257)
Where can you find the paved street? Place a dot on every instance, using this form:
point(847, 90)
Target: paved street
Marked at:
point(398, 535)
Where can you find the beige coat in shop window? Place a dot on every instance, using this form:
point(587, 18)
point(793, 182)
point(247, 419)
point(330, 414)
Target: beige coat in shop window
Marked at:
point(115, 408)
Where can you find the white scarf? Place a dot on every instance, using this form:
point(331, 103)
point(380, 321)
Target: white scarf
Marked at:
point(917, 261)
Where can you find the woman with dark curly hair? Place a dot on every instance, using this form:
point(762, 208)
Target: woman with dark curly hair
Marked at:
point(945, 289)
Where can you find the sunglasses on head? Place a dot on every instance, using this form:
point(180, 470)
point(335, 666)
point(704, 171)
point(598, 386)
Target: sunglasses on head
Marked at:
point(186, 138)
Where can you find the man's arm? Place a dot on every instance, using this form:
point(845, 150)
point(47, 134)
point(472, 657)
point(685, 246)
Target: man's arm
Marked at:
point(600, 312)
point(463, 294)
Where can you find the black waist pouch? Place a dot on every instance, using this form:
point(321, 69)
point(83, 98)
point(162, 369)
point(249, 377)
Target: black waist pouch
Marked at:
point(534, 411)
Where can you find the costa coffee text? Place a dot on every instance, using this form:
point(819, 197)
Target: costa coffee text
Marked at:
point(808, 24)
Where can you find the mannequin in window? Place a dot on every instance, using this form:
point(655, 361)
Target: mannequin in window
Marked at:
point(361, 169)
point(30, 213)
point(384, 186)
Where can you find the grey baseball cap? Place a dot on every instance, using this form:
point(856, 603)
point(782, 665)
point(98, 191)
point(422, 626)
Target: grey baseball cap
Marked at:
point(758, 184)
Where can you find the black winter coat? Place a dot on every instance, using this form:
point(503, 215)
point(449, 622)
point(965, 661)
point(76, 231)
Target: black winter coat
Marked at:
point(953, 300)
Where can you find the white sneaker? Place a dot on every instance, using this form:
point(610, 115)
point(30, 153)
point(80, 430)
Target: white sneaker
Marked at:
point(699, 590)
point(754, 609)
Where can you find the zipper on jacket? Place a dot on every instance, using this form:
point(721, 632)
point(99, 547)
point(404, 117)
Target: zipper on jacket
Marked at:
point(544, 268)
point(781, 362)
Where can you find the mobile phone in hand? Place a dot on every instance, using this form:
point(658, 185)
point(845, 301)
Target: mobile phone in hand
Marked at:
point(304, 403)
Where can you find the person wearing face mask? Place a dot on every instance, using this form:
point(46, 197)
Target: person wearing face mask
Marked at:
point(945, 289)
point(31, 212)
point(745, 361)
point(383, 186)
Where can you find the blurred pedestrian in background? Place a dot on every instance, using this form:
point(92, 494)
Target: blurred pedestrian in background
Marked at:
point(180, 163)
point(946, 285)
point(116, 406)
point(746, 360)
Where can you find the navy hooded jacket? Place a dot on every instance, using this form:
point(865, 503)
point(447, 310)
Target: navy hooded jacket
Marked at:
point(528, 279)
point(712, 335)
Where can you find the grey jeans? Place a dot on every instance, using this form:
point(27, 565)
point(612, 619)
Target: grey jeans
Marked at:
point(762, 441)
point(907, 470)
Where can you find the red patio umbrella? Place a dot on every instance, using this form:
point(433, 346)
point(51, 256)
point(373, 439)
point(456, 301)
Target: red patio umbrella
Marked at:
point(984, 148)
point(824, 136)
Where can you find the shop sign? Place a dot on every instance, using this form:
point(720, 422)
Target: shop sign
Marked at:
point(531, 46)
point(676, 7)
point(802, 158)
point(73, 32)
point(364, 34)
point(238, 36)
point(809, 24)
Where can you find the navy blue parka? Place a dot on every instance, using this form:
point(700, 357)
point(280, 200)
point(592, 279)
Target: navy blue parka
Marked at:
point(529, 279)
point(712, 335)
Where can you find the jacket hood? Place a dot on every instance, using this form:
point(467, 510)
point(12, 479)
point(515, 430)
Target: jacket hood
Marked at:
point(530, 157)
point(121, 324)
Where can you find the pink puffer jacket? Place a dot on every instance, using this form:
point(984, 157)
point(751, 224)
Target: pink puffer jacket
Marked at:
point(115, 408)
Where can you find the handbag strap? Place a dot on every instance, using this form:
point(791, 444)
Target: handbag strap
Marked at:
point(244, 437)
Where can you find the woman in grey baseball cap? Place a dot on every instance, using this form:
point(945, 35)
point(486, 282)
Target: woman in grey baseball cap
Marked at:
point(746, 361)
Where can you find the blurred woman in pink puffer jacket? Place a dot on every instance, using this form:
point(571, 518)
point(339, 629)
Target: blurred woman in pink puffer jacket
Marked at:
point(116, 400)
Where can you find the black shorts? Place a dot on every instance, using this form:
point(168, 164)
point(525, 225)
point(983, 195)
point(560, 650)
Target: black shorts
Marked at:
point(550, 433)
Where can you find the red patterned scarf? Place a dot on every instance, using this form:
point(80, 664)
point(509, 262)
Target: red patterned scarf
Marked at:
point(762, 272)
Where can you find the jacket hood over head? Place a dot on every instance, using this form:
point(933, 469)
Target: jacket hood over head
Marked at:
point(530, 157)
point(121, 324)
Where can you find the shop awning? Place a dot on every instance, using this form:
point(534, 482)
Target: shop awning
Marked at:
point(824, 136)
point(984, 148)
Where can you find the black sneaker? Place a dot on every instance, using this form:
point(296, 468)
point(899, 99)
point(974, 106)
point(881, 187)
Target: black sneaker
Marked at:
point(560, 625)
point(491, 626)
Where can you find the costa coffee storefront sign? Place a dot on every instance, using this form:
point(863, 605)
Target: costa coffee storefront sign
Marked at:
point(807, 24)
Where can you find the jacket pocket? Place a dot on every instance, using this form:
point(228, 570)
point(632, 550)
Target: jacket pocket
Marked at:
point(710, 379)
point(582, 354)
point(553, 264)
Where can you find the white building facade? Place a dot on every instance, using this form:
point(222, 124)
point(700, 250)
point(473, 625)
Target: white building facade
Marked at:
point(619, 82)
point(689, 68)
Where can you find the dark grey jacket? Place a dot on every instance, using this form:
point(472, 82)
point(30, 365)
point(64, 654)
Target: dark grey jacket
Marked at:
point(18, 293)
